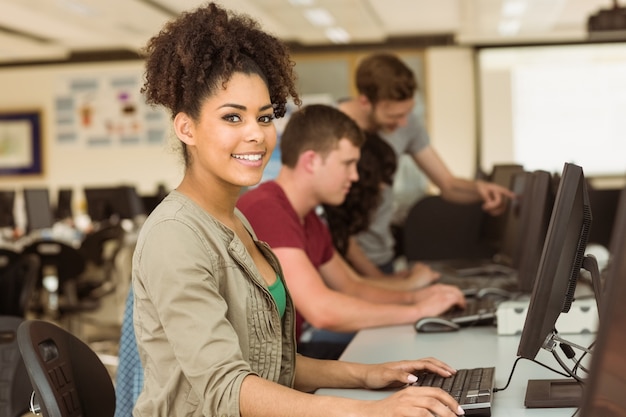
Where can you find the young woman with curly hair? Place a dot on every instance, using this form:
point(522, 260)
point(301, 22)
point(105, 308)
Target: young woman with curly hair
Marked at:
point(213, 320)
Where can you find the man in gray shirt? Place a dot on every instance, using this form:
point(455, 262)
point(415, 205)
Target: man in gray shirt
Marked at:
point(386, 87)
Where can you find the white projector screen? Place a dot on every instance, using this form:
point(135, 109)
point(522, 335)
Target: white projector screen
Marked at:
point(542, 106)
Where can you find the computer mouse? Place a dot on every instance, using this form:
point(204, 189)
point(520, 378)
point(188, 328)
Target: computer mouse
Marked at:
point(435, 325)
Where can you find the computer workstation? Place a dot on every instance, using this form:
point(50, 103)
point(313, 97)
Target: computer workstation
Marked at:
point(562, 257)
point(522, 243)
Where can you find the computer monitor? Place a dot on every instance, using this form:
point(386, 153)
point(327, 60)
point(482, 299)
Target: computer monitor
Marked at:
point(38, 210)
point(553, 292)
point(512, 228)
point(535, 210)
point(494, 229)
point(99, 203)
point(128, 203)
point(7, 203)
point(502, 174)
point(63, 208)
point(105, 204)
point(604, 205)
point(605, 388)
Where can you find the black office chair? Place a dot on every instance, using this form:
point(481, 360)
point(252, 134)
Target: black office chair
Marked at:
point(7, 256)
point(436, 229)
point(17, 284)
point(67, 376)
point(15, 388)
point(100, 248)
point(60, 270)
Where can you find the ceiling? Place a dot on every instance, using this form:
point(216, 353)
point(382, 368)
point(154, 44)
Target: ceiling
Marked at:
point(57, 30)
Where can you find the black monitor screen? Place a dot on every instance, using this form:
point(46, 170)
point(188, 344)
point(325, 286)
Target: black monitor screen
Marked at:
point(561, 259)
point(508, 253)
point(605, 390)
point(99, 202)
point(38, 211)
point(496, 229)
point(107, 203)
point(64, 204)
point(536, 208)
point(7, 201)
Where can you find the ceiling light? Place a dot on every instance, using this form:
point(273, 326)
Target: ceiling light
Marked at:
point(338, 35)
point(301, 3)
point(319, 17)
point(513, 8)
point(78, 7)
point(509, 27)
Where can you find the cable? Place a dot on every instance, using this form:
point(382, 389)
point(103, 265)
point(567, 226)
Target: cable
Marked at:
point(510, 376)
point(569, 371)
point(532, 360)
point(578, 363)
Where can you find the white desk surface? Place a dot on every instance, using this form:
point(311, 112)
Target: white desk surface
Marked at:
point(467, 348)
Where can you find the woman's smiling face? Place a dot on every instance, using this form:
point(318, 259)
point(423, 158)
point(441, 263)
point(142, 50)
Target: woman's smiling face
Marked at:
point(235, 135)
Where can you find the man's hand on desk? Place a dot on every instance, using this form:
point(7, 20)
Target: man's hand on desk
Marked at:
point(410, 401)
point(421, 275)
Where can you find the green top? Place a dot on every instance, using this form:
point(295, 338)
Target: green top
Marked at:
point(277, 289)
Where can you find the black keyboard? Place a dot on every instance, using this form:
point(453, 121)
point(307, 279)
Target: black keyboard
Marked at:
point(478, 311)
point(471, 388)
point(509, 283)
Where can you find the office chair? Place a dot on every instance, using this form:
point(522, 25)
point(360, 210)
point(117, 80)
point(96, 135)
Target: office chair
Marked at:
point(17, 284)
point(15, 388)
point(436, 229)
point(61, 266)
point(7, 256)
point(67, 376)
point(100, 248)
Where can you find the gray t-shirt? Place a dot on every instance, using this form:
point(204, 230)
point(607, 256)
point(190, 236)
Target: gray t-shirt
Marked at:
point(377, 242)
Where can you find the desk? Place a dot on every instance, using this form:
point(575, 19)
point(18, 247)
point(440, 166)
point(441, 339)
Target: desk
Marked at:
point(467, 348)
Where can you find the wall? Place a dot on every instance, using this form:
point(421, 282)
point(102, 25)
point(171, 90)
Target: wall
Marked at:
point(450, 118)
point(450, 103)
point(26, 88)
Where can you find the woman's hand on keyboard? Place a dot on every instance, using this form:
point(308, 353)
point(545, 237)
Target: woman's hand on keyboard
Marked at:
point(400, 373)
point(413, 401)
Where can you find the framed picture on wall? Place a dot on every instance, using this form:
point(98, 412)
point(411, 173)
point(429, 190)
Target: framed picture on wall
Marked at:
point(20, 143)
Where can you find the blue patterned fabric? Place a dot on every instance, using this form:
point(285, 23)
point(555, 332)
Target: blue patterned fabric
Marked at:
point(129, 377)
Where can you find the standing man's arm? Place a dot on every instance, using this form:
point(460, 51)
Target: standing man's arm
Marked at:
point(460, 190)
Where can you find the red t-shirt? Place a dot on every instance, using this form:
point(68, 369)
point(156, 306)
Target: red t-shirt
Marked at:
point(275, 221)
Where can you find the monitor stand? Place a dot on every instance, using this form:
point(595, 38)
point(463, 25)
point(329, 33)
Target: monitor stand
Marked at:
point(553, 393)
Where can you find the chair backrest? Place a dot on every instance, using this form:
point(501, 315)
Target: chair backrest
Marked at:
point(67, 260)
point(15, 388)
point(93, 246)
point(7, 256)
point(67, 376)
point(17, 284)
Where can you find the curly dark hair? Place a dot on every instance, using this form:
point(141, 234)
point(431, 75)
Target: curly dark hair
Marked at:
point(376, 168)
point(197, 53)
